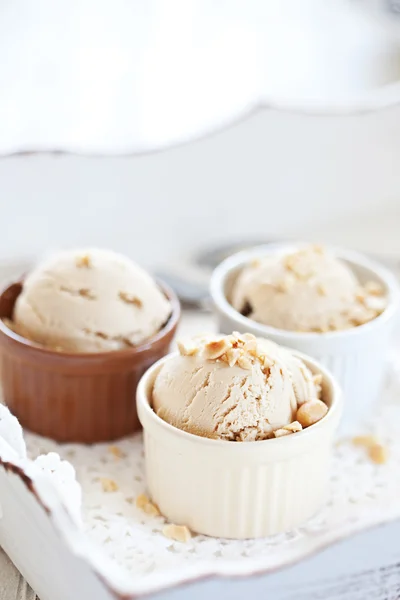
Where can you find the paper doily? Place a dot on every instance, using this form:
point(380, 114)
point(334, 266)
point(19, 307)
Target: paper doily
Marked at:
point(362, 494)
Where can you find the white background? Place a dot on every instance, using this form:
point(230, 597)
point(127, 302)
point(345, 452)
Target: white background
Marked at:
point(276, 174)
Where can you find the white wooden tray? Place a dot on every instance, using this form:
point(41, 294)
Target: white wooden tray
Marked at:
point(117, 551)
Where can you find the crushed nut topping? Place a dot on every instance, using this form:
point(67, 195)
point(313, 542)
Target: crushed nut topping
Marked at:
point(130, 299)
point(245, 362)
point(83, 262)
point(84, 292)
point(235, 349)
point(373, 288)
point(294, 427)
point(231, 356)
point(216, 348)
point(231, 349)
point(295, 264)
point(187, 348)
point(361, 296)
point(108, 485)
point(288, 429)
point(179, 533)
point(256, 262)
point(317, 379)
point(147, 506)
point(281, 432)
point(282, 286)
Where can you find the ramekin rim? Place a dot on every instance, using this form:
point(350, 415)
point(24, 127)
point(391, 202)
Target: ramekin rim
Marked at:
point(241, 258)
point(334, 411)
point(95, 356)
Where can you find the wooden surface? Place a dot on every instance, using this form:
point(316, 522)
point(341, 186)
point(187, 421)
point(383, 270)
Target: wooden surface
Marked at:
point(12, 584)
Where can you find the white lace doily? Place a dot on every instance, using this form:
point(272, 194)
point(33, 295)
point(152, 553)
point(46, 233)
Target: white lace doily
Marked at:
point(362, 494)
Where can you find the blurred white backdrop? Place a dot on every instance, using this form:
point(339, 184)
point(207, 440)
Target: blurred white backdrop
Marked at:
point(276, 174)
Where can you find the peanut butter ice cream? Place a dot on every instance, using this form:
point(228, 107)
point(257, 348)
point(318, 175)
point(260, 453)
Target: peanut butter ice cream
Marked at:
point(89, 301)
point(307, 291)
point(236, 388)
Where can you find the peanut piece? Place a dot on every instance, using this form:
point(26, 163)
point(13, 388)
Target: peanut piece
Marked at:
point(366, 441)
point(83, 261)
point(311, 412)
point(288, 429)
point(145, 504)
point(216, 348)
point(378, 454)
point(245, 362)
point(293, 427)
point(231, 356)
point(115, 451)
point(108, 485)
point(374, 288)
point(188, 348)
point(281, 432)
point(179, 533)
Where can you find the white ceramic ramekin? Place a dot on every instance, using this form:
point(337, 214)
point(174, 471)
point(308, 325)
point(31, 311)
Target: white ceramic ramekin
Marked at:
point(356, 356)
point(237, 489)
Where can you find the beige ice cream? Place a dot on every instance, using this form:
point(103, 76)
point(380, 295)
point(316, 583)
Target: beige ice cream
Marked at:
point(309, 290)
point(234, 388)
point(89, 301)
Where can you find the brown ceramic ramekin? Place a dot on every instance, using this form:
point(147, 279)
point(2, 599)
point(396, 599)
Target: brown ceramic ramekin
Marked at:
point(83, 398)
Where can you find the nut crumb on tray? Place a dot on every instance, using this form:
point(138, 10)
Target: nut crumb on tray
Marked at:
point(117, 452)
point(147, 506)
point(377, 452)
point(109, 485)
point(179, 533)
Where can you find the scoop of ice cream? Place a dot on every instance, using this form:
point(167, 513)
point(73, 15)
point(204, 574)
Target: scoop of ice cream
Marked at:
point(89, 301)
point(234, 388)
point(308, 290)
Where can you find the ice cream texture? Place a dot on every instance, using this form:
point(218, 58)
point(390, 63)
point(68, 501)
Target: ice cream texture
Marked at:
point(89, 301)
point(234, 387)
point(309, 290)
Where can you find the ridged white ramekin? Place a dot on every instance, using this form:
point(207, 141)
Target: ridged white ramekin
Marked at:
point(356, 357)
point(237, 489)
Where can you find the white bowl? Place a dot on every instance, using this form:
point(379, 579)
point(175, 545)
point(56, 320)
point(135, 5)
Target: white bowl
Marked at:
point(355, 356)
point(237, 489)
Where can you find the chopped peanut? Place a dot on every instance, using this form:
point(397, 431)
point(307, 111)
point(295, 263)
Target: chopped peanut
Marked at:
point(374, 288)
point(187, 348)
point(281, 432)
point(244, 362)
point(145, 504)
point(83, 261)
point(216, 348)
point(317, 379)
point(294, 427)
point(108, 485)
point(378, 454)
point(288, 429)
point(364, 440)
point(179, 533)
point(231, 356)
point(376, 451)
point(115, 451)
point(130, 299)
